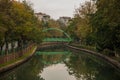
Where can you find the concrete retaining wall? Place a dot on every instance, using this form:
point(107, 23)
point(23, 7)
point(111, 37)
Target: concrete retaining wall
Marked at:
point(13, 65)
point(115, 63)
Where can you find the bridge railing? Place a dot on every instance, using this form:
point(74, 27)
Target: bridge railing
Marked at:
point(57, 40)
point(68, 39)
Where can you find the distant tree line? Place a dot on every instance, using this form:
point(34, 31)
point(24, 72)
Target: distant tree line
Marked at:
point(18, 23)
point(97, 23)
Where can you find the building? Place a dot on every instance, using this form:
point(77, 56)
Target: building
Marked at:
point(64, 20)
point(42, 16)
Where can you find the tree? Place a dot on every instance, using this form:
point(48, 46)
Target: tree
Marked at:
point(81, 22)
point(72, 28)
point(107, 25)
point(6, 21)
point(53, 24)
point(17, 22)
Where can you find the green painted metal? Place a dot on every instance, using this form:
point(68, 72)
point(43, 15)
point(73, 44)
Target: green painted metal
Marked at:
point(65, 53)
point(57, 39)
point(68, 39)
point(52, 53)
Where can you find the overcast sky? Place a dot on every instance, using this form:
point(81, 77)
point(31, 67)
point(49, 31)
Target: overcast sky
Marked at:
point(56, 8)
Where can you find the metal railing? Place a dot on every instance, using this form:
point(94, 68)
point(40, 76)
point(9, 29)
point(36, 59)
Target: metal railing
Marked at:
point(15, 55)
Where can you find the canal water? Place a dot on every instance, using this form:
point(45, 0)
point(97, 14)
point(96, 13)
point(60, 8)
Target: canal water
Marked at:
point(60, 63)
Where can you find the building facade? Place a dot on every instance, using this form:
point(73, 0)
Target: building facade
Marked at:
point(64, 20)
point(42, 16)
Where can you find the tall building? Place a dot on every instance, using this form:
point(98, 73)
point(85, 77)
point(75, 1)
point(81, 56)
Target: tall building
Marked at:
point(64, 20)
point(42, 16)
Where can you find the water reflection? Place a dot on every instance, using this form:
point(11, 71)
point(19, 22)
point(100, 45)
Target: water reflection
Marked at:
point(53, 57)
point(32, 69)
point(56, 72)
point(28, 71)
point(75, 66)
point(90, 68)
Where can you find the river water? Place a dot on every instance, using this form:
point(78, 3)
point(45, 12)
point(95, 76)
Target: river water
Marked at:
point(60, 63)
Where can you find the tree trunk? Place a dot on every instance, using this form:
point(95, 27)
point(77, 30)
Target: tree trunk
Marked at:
point(6, 49)
point(12, 46)
point(0, 50)
point(19, 45)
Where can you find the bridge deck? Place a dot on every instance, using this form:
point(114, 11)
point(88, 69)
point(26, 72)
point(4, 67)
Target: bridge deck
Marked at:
point(48, 53)
point(56, 39)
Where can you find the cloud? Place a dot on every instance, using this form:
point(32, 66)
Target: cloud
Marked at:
point(56, 8)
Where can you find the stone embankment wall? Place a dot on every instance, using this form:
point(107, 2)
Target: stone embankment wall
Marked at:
point(115, 63)
point(13, 56)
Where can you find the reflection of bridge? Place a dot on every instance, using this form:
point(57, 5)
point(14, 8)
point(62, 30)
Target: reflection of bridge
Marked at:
point(68, 39)
point(50, 57)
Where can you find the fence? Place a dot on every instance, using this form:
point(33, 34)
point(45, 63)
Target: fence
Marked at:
point(16, 55)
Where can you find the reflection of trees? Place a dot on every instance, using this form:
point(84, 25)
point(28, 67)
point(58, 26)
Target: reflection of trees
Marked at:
point(85, 68)
point(77, 67)
point(56, 48)
point(53, 59)
point(28, 71)
point(32, 69)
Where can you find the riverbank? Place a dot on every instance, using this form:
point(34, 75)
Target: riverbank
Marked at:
point(115, 63)
point(88, 49)
point(14, 63)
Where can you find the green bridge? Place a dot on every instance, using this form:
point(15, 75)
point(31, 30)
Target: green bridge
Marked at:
point(52, 53)
point(57, 40)
point(68, 39)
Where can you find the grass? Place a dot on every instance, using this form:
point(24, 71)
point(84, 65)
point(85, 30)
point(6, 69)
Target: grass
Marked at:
point(13, 61)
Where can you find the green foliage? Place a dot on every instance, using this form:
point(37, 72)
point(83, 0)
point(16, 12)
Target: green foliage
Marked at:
point(107, 24)
point(72, 28)
point(97, 23)
point(18, 23)
point(80, 27)
point(52, 24)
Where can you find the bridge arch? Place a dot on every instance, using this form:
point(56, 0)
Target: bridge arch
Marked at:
point(49, 29)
